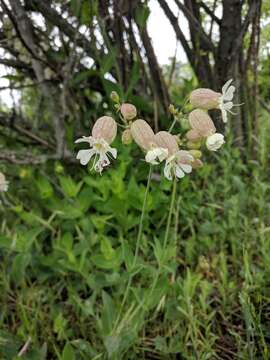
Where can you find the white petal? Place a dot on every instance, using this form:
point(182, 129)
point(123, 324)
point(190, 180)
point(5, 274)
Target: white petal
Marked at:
point(113, 151)
point(84, 139)
point(167, 170)
point(179, 173)
point(229, 94)
point(186, 168)
point(226, 86)
point(227, 106)
point(224, 115)
point(85, 156)
point(159, 153)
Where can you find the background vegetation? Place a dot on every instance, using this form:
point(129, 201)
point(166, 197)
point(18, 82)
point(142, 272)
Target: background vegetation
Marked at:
point(68, 236)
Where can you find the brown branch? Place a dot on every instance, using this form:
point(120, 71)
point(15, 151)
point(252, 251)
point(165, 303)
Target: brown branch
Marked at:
point(27, 158)
point(26, 31)
point(155, 71)
point(195, 25)
point(55, 18)
point(252, 10)
point(179, 34)
point(210, 12)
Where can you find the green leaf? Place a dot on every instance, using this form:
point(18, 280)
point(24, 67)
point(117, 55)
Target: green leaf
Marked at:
point(44, 187)
point(69, 186)
point(68, 353)
point(106, 248)
point(19, 265)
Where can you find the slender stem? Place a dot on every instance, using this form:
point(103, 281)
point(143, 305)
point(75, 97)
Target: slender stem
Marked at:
point(138, 241)
point(169, 220)
point(139, 236)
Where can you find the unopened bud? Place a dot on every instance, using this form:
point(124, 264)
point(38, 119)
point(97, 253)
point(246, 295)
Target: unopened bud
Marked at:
point(200, 121)
point(194, 145)
point(105, 128)
point(172, 109)
point(115, 97)
point(167, 141)
point(128, 111)
point(142, 134)
point(197, 154)
point(126, 137)
point(193, 135)
point(196, 164)
point(205, 98)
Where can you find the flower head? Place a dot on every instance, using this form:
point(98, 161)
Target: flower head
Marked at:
point(225, 100)
point(144, 136)
point(103, 133)
point(206, 99)
point(3, 183)
point(178, 165)
point(215, 141)
point(204, 128)
point(178, 161)
point(201, 124)
point(128, 111)
point(156, 153)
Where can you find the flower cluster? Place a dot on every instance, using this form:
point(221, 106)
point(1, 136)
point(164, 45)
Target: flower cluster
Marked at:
point(181, 154)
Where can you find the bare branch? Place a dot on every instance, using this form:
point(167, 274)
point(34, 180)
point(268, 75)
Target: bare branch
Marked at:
point(207, 43)
point(210, 12)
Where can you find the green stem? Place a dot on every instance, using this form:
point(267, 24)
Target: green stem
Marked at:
point(170, 214)
point(139, 236)
point(138, 241)
point(169, 220)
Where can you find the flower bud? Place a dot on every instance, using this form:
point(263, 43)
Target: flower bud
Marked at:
point(142, 134)
point(126, 137)
point(193, 135)
point(205, 98)
point(194, 144)
point(172, 109)
point(196, 164)
point(115, 97)
point(105, 128)
point(128, 111)
point(200, 121)
point(214, 142)
point(197, 154)
point(167, 141)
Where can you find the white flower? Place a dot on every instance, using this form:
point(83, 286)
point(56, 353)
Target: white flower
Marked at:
point(225, 100)
point(3, 183)
point(215, 141)
point(100, 149)
point(156, 153)
point(103, 133)
point(178, 164)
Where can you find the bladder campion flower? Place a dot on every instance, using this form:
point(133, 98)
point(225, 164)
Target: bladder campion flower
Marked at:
point(3, 183)
point(103, 133)
point(203, 127)
point(144, 136)
point(215, 141)
point(178, 161)
point(208, 99)
point(128, 111)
